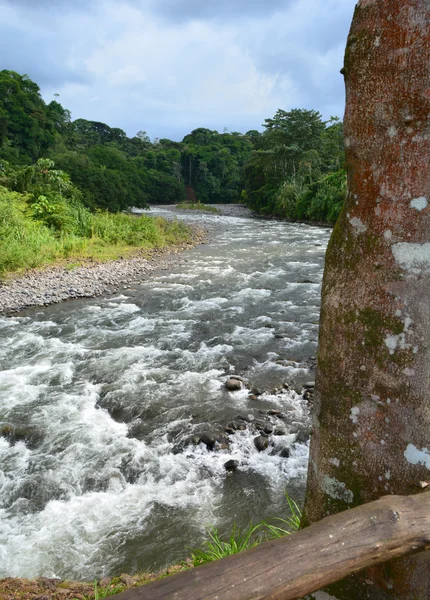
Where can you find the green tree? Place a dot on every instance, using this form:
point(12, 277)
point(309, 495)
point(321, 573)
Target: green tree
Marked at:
point(25, 123)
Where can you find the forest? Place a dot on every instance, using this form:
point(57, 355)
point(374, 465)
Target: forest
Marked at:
point(293, 169)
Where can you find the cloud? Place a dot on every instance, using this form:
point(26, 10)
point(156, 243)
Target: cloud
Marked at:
point(169, 66)
point(185, 10)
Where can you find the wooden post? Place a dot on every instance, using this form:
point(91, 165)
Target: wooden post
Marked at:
point(372, 398)
point(291, 567)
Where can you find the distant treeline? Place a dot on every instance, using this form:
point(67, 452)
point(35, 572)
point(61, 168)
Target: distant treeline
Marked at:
point(293, 169)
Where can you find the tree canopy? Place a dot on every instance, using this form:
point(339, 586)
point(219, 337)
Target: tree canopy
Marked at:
point(292, 169)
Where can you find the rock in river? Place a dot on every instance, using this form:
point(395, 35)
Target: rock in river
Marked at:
point(208, 439)
point(261, 443)
point(233, 384)
point(231, 465)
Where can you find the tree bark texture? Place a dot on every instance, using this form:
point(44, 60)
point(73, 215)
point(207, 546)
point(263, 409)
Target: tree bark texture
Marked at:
point(372, 401)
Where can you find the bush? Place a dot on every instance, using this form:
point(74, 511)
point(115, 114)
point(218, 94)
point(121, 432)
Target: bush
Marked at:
point(36, 233)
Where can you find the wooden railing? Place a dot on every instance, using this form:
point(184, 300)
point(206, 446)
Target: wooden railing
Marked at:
point(302, 563)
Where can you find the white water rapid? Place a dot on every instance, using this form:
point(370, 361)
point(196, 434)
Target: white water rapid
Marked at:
point(100, 400)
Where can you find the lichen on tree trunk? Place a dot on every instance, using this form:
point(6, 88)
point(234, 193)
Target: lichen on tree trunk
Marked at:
point(372, 401)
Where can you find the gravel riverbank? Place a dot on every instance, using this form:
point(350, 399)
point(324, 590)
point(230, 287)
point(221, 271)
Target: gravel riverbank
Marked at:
point(41, 287)
point(50, 285)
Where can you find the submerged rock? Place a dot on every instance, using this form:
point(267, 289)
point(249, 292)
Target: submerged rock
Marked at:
point(285, 453)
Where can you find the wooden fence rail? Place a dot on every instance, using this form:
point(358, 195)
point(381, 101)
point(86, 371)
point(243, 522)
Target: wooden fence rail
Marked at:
point(294, 566)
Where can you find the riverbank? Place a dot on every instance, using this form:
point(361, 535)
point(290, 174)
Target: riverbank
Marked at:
point(44, 588)
point(87, 279)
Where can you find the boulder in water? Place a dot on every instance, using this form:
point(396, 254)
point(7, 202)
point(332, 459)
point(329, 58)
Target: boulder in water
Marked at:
point(261, 443)
point(302, 436)
point(208, 439)
point(285, 453)
point(246, 418)
point(231, 465)
point(279, 431)
point(236, 426)
point(309, 385)
point(233, 384)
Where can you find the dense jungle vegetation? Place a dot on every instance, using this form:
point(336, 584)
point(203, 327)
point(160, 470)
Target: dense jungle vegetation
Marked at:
point(293, 169)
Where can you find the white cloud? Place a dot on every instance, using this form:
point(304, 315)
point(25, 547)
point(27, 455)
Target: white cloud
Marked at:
point(124, 64)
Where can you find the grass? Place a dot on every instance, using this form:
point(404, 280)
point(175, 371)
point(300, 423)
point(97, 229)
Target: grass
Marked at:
point(26, 242)
point(199, 206)
point(105, 592)
point(216, 547)
point(290, 524)
point(116, 585)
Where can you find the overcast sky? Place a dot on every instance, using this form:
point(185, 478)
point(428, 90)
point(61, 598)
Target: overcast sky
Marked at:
point(169, 66)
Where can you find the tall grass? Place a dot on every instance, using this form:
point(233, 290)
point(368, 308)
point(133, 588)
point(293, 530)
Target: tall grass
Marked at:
point(217, 547)
point(27, 241)
point(290, 524)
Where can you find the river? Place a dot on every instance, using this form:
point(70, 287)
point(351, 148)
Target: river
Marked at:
point(101, 401)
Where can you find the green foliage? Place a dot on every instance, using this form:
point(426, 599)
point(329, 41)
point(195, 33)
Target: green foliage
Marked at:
point(34, 233)
point(26, 124)
point(212, 164)
point(296, 170)
point(216, 547)
point(198, 206)
point(281, 171)
point(289, 525)
point(106, 592)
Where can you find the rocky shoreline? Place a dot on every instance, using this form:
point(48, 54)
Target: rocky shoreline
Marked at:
point(54, 284)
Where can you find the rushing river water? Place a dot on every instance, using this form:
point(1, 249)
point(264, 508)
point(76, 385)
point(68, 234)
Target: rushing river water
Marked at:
point(100, 400)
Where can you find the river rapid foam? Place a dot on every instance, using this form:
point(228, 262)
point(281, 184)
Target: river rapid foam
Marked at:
point(100, 400)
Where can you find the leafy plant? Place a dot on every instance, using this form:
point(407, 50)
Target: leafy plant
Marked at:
point(289, 525)
point(215, 547)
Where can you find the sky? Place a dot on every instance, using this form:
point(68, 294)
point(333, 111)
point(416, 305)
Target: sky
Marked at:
point(169, 66)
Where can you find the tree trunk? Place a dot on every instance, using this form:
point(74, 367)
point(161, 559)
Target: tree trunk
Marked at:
point(372, 400)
